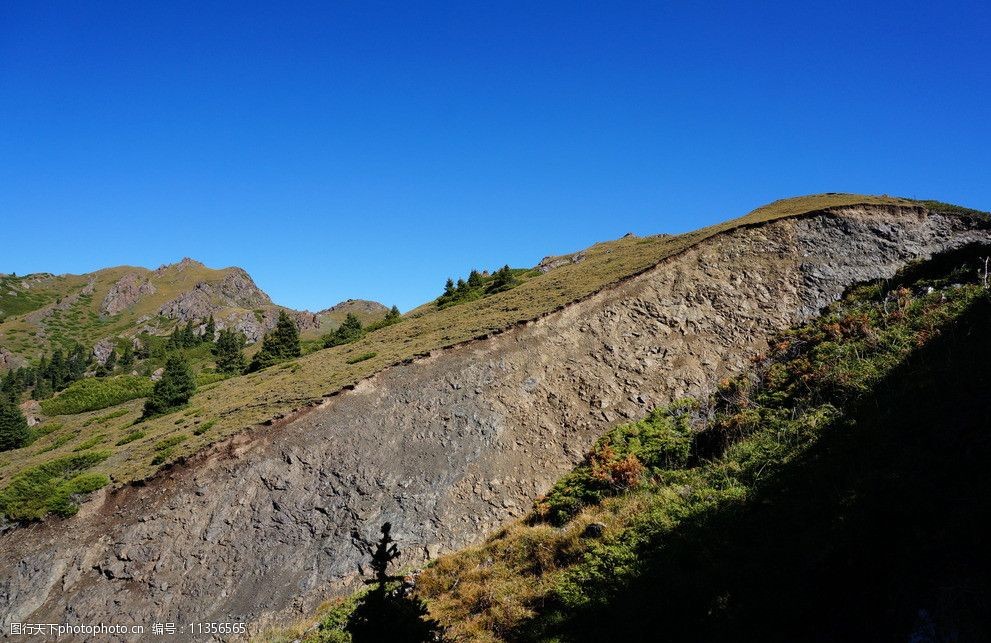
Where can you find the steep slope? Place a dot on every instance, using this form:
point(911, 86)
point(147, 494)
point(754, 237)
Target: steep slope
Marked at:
point(830, 493)
point(229, 407)
point(449, 446)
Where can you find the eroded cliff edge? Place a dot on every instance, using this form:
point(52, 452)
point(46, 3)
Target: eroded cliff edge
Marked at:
point(447, 447)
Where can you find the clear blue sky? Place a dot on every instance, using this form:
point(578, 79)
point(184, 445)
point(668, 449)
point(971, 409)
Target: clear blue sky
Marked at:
point(366, 149)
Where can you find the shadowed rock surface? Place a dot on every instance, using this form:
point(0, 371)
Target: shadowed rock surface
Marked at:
point(448, 447)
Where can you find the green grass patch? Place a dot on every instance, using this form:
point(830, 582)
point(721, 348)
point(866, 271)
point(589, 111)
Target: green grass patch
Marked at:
point(130, 437)
point(92, 393)
point(90, 443)
point(361, 358)
point(59, 441)
point(52, 487)
point(203, 428)
point(170, 442)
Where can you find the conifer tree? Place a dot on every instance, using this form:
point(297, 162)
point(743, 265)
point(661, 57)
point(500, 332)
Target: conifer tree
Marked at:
point(449, 287)
point(393, 315)
point(230, 352)
point(188, 337)
point(280, 344)
point(127, 357)
point(14, 432)
point(474, 279)
point(349, 330)
point(174, 389)
point(209, 330)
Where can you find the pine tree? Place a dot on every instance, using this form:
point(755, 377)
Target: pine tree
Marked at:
point(174, 389)
point(474, 279)
point(210, 330)
point(449, 287)
point(77, 361)
point(111, 362)
point(230, 352)
point(42, 389)
point(393, 315)
point(503, 279)
point(188, 337)
point(58, 371)
point(280, 344)
point(127, 357)
point(349, 330)
point(14, 432)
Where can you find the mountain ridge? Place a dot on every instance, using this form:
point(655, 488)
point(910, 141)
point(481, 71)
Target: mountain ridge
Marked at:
point(798, 254)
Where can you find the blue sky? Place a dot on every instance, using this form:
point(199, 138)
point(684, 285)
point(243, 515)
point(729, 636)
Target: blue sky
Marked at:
point(366, 149)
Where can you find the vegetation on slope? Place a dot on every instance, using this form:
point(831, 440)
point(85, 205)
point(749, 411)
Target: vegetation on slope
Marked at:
point(91, 394)
point(828, 494)
point(234, 404)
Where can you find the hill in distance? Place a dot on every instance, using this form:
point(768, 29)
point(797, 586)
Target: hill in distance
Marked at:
point(42, 310)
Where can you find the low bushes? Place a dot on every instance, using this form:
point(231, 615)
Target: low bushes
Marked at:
point(52, 487)
point(92, 393)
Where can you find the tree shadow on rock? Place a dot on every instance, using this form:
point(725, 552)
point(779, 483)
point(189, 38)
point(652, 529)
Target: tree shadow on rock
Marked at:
point(389, 612)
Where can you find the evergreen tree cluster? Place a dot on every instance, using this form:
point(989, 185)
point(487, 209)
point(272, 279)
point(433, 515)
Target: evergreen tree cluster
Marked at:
point(229, 352)
point(477, 285)
point(351, 329)
point(174, 389)
point(186, 336)
point(14, 432)
point(279, 344)
point(50, 375)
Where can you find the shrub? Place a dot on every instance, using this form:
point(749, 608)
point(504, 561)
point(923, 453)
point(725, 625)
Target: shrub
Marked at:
point(203, 428)
point(170, 442)
point(92, 442)
point(91, 394)
point(361, 358)
point(130, 437)
point(52, 487)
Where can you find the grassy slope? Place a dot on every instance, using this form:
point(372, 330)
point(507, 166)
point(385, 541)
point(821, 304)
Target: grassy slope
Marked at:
point(833, 494)
point(235, 404)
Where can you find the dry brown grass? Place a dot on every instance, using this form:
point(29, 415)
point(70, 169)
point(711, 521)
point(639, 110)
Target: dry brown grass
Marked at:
point(485, 593)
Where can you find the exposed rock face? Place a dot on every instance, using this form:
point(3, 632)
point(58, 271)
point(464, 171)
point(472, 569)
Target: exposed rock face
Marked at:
point(236, 290)
point(102, 350)
point(446, 447)
point(356, 306)
point(255, 325)
point(550, 263)
point(125, 293)
point(8, 360)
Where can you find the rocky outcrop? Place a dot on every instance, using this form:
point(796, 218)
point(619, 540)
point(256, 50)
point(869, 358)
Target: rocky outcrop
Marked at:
point(356, 306)
point(235, 290)
point(449, 446)
point(125, 293)
point(254, 324)
point(102, 350)
point(9, 360)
